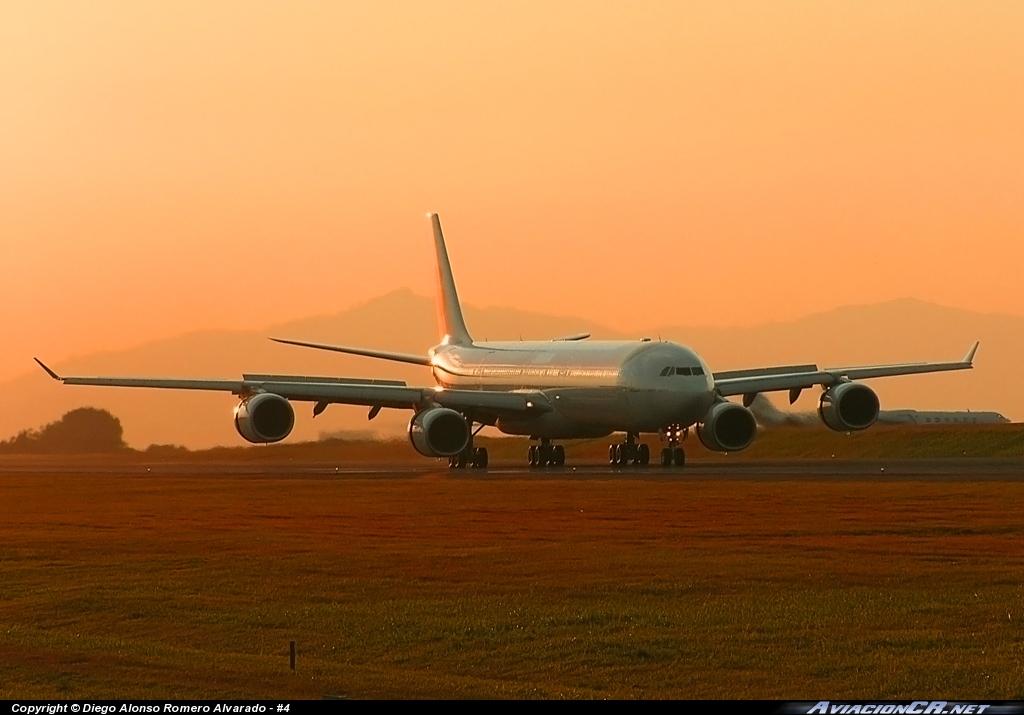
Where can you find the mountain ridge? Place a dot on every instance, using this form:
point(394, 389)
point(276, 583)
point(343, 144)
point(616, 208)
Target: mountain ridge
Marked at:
point(903, 330)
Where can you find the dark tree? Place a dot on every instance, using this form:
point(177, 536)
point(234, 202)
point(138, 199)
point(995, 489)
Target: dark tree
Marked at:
point(86, 430)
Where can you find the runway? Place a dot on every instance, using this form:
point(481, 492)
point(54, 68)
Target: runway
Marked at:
point(728, 577)
point(767, 470)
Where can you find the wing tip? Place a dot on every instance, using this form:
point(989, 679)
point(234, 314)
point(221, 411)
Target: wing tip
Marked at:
point(969, 360)
point(49, 372)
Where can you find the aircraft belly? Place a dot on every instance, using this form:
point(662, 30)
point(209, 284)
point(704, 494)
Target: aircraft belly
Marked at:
point(605, 406)
point(595, 412)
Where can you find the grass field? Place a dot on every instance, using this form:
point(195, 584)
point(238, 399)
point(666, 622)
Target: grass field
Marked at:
point(457, 586)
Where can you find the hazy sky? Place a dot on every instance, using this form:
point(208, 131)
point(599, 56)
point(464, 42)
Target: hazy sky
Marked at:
point(183, 165)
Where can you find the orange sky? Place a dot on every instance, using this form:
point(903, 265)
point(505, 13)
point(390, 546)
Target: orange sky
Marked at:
point(176, 166)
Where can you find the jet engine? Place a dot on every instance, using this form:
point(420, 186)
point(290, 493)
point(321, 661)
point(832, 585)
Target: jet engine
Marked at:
point(727, 427)
point(439, 432)
point(264, 418)
point(848, 406)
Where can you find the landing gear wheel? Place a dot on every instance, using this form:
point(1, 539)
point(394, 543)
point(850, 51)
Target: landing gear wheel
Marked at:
point(628, 453)
point(673, 454)
point(558, 456)
point(613, 454)
point(620, 455)
point(534, 457)
point(643, 455)
point(545, 455)
point(479, 458)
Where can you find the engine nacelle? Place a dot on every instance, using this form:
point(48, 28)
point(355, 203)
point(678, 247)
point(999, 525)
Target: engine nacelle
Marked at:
point(727, 427)
point(848, 406)
point(264, 418)
point(439, 432)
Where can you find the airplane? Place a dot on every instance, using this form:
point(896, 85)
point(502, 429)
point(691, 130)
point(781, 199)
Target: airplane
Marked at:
point(549, 391)
point(768, 415)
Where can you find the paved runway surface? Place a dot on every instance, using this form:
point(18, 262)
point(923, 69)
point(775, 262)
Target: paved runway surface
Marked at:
point(874, 469)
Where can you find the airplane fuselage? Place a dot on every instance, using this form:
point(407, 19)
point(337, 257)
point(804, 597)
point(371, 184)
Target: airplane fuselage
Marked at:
point(594, 387)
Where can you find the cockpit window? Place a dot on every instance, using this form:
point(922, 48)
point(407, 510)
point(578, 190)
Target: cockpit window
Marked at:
point(682, 371)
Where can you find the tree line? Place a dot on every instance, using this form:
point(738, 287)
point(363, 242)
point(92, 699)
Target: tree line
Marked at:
point(86, 430)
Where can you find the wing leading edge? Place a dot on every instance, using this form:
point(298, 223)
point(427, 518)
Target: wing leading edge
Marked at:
point(751, 384)
point(370, 393)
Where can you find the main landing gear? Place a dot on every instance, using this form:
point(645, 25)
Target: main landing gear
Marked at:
point(629, 452)
point(475, 457)
point(546, 454)
point(673, 454)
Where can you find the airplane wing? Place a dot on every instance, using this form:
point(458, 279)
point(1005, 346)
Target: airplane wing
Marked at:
point(750, 382)
point(346, 391)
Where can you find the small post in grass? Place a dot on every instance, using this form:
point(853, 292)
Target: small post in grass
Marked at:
point(292, 655)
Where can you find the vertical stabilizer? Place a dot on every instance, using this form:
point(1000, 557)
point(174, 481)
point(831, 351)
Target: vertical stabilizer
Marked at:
point(450, 322)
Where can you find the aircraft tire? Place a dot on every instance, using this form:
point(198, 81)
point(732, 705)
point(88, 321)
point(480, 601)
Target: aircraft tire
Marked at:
point(643, 455)
point(547, 455)
point(678, 457)
point(558, 456)
point(666, 457)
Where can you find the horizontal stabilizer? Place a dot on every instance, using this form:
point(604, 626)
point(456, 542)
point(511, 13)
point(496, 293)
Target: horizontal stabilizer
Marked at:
point(378, 354)
point(571, 338)
point(762, 371)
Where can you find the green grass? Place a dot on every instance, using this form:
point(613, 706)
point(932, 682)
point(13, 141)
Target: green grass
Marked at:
point(161, 587)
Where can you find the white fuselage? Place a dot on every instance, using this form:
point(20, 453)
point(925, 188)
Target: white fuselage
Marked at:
point(595, 387)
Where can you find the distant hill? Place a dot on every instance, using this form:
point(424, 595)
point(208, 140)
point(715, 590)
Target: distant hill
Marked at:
point(896, 331)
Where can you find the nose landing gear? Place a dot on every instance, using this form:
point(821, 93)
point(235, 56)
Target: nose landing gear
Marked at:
point(673, 454)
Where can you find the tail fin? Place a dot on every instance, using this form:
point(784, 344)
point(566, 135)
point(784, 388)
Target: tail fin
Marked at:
point(450, 322)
